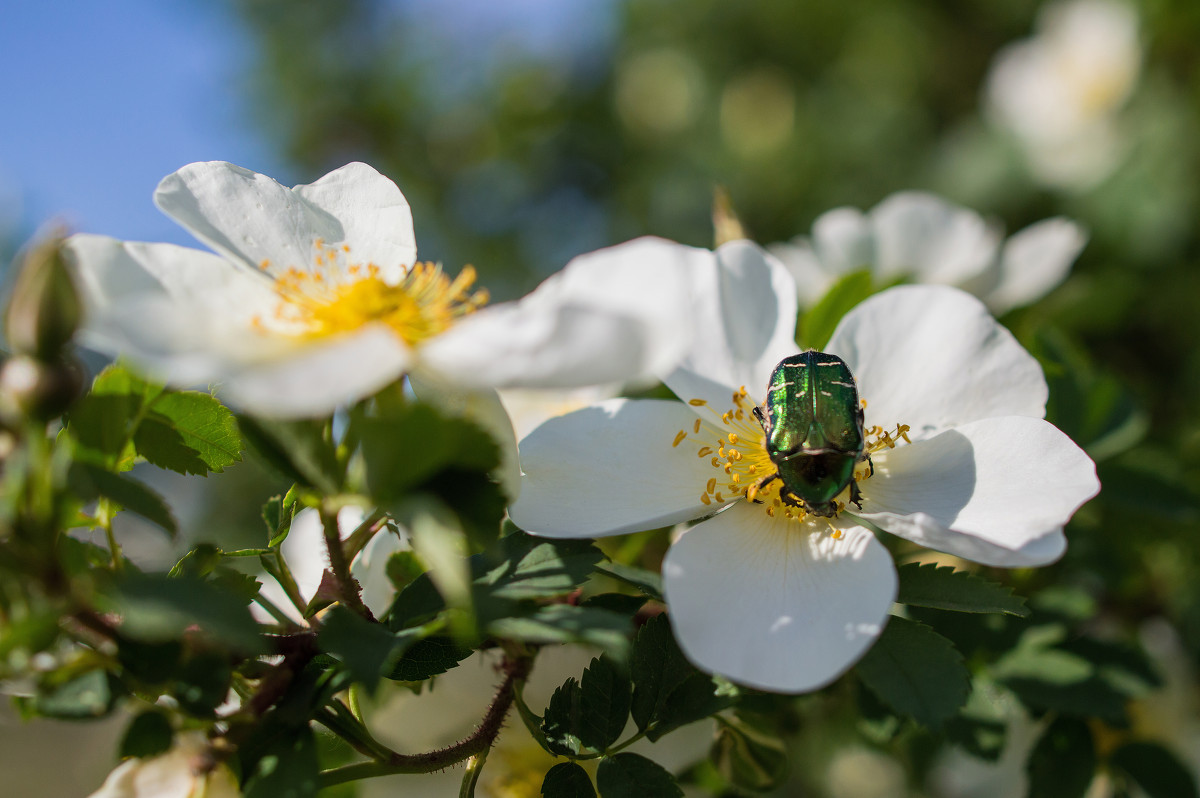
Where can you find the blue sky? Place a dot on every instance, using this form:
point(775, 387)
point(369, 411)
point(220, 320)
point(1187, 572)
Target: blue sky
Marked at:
point(101, 100)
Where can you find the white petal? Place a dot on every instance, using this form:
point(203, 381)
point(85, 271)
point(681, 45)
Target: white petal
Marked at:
point(611, 469)
point(845, 241)
point(251, 218)
point(168, 308)
point(1007, 482)
point(743, 324)
point(776, 604)
point(933, 357)
point(370, 566)
point(529, 407)
point(1034, 261)
point(609, 316)
point(313, 380)
point(928, 237)
point(812, 281)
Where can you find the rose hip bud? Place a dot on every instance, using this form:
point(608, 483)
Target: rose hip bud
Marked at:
point(44, 310)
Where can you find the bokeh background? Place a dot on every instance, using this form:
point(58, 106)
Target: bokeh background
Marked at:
point(524, 132)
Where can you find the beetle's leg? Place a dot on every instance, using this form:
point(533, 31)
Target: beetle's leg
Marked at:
point(855, 495)
point(789, 498)
point(762, 483)
point(758, 414)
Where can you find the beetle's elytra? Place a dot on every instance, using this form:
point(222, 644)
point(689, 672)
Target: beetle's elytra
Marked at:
point(814, 426)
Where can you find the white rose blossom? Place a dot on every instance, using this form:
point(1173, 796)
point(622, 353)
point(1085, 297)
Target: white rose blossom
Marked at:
point(1060, 91)
point(184, 771)
point(315, 298)
point(923, 238)
point(961, 461)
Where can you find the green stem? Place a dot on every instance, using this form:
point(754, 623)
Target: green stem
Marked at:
point(471, 775)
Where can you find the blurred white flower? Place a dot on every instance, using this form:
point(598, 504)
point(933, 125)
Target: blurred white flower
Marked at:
point(453, 706)
point(315, 298)
point(184, 771)
point(762, 590)
point(923, 238)
point(1060, 90)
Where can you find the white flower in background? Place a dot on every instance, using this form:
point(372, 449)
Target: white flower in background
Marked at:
point(182, 772)
point(1060, 90)
point(922, 238)
point(452, 706)
point(315, 298)
point(963, 462)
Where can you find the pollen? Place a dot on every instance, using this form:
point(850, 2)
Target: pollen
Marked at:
point(338, 295)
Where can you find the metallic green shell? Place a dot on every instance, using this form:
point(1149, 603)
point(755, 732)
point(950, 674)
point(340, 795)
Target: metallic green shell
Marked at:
point(814, 426)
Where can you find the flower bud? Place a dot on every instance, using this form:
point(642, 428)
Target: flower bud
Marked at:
point(44, 310)
point(185, 771)
point(33, 389)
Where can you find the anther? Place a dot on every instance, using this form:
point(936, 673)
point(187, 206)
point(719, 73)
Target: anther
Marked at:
point(704, 451)
point(679, 437)
point(712, 485)
point(704, 498)
point(696, 426)
point(697, 402)
point(733, 438)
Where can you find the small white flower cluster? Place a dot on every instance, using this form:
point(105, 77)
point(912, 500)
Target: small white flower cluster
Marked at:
point(315, 300)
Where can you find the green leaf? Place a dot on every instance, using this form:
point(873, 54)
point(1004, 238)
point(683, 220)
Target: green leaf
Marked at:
point(287, 769)
point(563, 623)
point(104, 421)
point(539, 568)
point(367, 649)
point(444, 442)
point(156, 608)
point(561, 721)
point(981, 728)
point(403, 568)
point(1063, 761)
point(188, 432)
point(301, 450)
point(657, 667)
point(89, 480)
point(278, 513)
point(648, 582)
point(147, 735)
point(747, 757)
point(818, 322)
point(1155, 769)
point(697, 696)
point(916, 672)
point(605, 693)
point(91, 695)
point(632, 776)
point(567, 780)
point(428, 657)
point(203, 682)
point(944, 588)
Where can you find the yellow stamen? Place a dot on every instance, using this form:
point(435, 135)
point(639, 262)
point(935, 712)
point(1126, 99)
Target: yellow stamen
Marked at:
point(679, 437)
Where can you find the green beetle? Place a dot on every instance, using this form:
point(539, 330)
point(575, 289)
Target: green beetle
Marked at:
point(814, 426)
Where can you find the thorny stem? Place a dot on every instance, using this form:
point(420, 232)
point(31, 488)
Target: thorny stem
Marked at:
point(339, 566)
point(474, 745)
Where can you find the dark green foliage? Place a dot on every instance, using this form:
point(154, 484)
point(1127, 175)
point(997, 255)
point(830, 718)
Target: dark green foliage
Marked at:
point(1063, 762)
point(916, 672)
point(148, 734)
point(1156, 770)
point(633, 776)
point(748, 757)
point(368, 650)
point(428, 657)
point(287, 769)
point(944, 588)
point(668, 692)
point(567, 780)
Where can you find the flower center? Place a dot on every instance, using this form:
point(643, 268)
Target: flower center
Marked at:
point(340, 296)
point(735, 444)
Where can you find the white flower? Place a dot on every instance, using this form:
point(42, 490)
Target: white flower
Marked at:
point(925, 239)
point(762, 592)
point(182, 772)
point(1060, 90)
point(315, 298)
